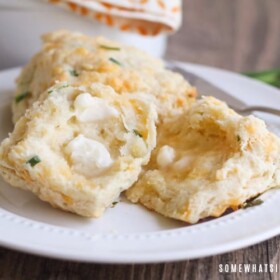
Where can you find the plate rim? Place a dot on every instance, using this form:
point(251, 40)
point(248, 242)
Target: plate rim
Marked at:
point(169, 256)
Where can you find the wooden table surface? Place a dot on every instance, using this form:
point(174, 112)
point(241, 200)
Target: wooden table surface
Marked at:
point(238, 35)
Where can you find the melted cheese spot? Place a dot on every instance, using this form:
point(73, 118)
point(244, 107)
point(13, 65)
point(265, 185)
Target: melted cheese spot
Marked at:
point(183, 163)
point(90, 108)
point(89, 157)
point(166, 156)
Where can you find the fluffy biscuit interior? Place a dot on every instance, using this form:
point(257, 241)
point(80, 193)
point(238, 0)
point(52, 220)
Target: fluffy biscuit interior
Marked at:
point(81, 60)
point(206, 161)
point(90, 143)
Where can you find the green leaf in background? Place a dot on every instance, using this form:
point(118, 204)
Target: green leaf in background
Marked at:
point(271, 77)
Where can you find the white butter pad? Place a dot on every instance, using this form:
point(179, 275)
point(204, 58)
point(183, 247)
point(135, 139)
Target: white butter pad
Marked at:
point(89, 108)
point(165, 156)
point(88, 156)
point(184, 162)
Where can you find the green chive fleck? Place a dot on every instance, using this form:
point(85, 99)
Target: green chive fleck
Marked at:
point(21, 96)
point(238, 138)
point(114, 204)
point(109, 48)
point(252, 203)
point(74, 73)
point(115, 61)
point(33, 161)
point(137, 133)
point(63, 86)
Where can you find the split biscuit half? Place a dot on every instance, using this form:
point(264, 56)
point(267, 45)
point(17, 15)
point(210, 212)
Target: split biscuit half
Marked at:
point(206, 161)
point(81, 60)
point(78, 148)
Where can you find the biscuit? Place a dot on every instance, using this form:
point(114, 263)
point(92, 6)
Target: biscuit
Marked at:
point(81, 60)
point(78, 148)
point(206, 161)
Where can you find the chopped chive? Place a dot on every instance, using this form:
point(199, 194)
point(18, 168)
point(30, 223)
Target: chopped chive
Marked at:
point(73, 73)
point(137, 133)
point(21, 96)
point(109, 48)
point(114, 204)
point(115, 61)
point(33, 161)
point(238, 138)
point(252, 203)
point(63, 86)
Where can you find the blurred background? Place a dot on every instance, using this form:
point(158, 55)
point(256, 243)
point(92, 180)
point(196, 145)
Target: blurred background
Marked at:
point(239, 35)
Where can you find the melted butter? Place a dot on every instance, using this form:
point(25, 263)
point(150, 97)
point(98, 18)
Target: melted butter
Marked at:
point(90, 108)
point(89, 157)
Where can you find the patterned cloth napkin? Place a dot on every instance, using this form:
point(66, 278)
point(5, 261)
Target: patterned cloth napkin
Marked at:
point(147, 17)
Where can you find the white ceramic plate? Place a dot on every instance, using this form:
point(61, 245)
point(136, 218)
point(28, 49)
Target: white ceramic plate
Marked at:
point(129, 233)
